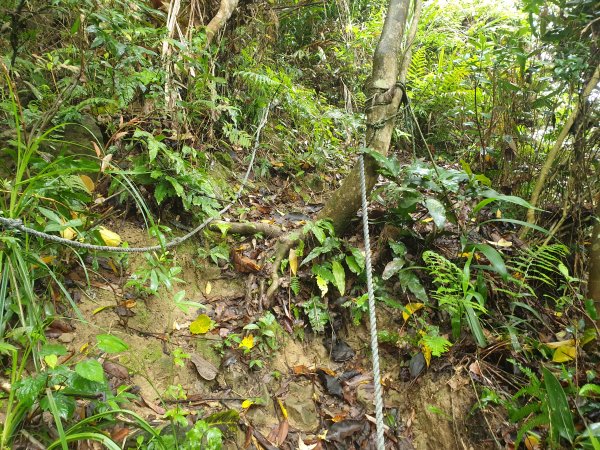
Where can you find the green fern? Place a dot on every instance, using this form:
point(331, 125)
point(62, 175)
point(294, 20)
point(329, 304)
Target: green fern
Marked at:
point(456, 293)
point(535, 266)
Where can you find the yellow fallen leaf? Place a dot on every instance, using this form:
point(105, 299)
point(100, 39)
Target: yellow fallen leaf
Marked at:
point(426, 353)
point(48, 259)
point(293, 261)
point(88, 183)
point(201, 325)
point(284, 412)
point(411, 308)
point(532, 442)
point(427, 220)
point(101, 308)
point(498, 214)
point(247, 343)
point(501, 243)
point(110, 238)
point(247, 403)
point(558, 344)
point(564, 353)
point(68, 233)
point(208, 288)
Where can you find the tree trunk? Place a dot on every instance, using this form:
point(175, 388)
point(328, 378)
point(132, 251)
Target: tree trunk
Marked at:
point(384, 98)
point(221, 17)
point(594, 273)
point(553, 153)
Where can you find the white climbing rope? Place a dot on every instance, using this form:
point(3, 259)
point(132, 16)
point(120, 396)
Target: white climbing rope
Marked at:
point(372, 317)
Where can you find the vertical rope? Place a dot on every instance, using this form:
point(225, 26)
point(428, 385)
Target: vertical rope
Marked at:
point(372, 316)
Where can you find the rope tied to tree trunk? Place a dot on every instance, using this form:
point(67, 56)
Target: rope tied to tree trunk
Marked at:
point(372, 316)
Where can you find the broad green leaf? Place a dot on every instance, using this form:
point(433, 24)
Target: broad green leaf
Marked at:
point(561, 418)
point(90, 369)
point(65, 405)
point(493, 196)
point(392, 268)
point(359, 257)
point(339, 275)
point(111, 344)
point(437, 211)
point(519, 222)
point(495, 258)
point(352, 264)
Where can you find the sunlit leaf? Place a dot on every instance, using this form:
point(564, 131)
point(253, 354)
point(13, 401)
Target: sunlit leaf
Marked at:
point(90, 369)
point(564, 353)
point(247, 343)
point(293, 258)
point(411, 308)
point(110, 238)
point(111, 344)
point(339, 276)
point(202, 325)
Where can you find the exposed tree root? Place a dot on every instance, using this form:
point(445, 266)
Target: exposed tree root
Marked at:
point(247, 228)
point(282, 249)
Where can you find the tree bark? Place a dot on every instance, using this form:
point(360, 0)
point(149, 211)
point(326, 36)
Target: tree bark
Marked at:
point(384, 98)
point(221, 17)
point(541, 181)
point(594, 272)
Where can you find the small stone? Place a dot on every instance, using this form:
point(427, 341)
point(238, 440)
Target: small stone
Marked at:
point(66, 338)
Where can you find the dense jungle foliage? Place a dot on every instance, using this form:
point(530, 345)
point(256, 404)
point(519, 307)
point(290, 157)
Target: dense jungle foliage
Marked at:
point(483, 217)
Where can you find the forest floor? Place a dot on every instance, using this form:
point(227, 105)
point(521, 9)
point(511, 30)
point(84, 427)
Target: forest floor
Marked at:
point(328, 404)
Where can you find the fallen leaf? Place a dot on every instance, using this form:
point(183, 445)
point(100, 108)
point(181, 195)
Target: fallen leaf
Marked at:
point(68, 233)
point(208, 288)
point(411, 308)
point(243, 264)
point(110, 238)
point(501, 243)
point(247, 342)
point(88, 183)
point(105, 162)
point(564, 353)
point(532, 442)
point(293, 258)
point(97, 149)
point(205, 369)
point(303, 446)
point(202, 325)
point(426, 353)
point(558, 344)
point(247, 403)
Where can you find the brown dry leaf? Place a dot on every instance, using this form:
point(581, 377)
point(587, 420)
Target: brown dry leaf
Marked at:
point(157, 409)
point(284, 428)
point(117, 136)
point(119, 434)
point(205, 369)
point(302, 370)
point(243, 264)
point(97, 149)
point(105, 162)
point(475, 368)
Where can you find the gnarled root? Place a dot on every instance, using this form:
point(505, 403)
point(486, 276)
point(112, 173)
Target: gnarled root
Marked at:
point(282, 249)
